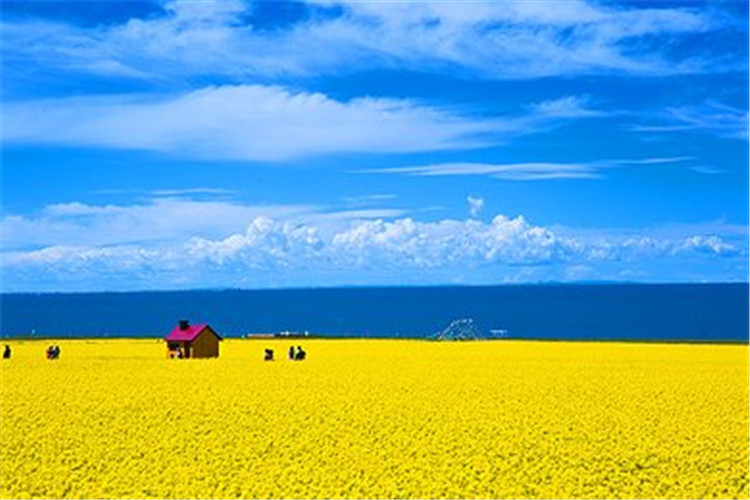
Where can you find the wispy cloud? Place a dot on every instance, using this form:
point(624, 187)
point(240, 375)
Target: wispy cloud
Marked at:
point(533, 171)
point(368, 199)
point(253, 122)
point(190, 191)
point(710, 117)
point(704, 169)
point(165, 220)
point(476, 204)
point(158, 220)
point(515, 171)
point(509, 39)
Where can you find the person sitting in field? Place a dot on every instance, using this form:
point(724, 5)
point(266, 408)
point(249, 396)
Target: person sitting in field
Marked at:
point(268, 356)
point(291, 353)
point(6, 352)
point(300, 356)
point(53, 352)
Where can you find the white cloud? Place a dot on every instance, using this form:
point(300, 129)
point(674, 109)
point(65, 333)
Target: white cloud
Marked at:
point(506, 39)
point(516, 171)
point(710, 117)
point(264, 243)
point(288, 244)
point(707, 244)
point(476, 204)
point(313, 247)
point(190, 12)
point(253, 122)
point(532, 171)
point(703, 169)
point(368, 199)
point(564, 107)
point(164, 220)
point(161, 219)
point(190, 191)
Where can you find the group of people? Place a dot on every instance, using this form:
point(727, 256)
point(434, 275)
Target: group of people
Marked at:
point(53, 352)
point(294, 354)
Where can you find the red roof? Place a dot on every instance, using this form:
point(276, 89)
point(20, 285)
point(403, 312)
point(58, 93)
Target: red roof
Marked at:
point(189, 334)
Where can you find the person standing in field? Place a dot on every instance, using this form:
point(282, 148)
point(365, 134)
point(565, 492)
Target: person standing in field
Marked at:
point(6, 352)
point(291, 353)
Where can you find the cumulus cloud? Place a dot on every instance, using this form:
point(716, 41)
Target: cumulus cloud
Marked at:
point(507, 39)
point(398, 242)
point(264, 243)
point(707, 244)
point(315, 247)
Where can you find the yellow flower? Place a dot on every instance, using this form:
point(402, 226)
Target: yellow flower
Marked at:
point(376, 419)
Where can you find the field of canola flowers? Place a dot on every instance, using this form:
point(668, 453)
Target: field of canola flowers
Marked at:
point(375, 419)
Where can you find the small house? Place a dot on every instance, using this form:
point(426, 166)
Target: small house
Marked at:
point(193, 341)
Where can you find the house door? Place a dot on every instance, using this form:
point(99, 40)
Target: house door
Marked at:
point(187, 350)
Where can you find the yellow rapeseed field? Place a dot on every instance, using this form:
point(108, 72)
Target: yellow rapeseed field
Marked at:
point(375, 419)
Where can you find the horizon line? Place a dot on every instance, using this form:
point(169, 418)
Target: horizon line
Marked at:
point(375, 286)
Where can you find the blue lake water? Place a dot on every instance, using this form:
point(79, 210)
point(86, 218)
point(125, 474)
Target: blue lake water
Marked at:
point(685, 312)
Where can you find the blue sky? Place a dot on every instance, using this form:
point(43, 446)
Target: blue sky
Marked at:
point(195, 144)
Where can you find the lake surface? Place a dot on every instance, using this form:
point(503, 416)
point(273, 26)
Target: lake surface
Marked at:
point(684, 312)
